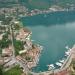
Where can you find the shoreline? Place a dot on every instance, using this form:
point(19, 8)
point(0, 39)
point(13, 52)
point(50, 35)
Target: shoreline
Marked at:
point(62, 68)
point(56, 70)
point(50, 10)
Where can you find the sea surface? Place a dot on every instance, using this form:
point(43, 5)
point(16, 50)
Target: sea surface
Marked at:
point(54, 31)
point(37, 4)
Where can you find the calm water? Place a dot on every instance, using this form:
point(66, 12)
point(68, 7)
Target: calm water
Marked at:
point(53, 31)
point(39, 4)
point(45, 4)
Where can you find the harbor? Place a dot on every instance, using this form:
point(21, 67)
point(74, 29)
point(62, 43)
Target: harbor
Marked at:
point(56, 36)
point(64, 67)
point(37, 37)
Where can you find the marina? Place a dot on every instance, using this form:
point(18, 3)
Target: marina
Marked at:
point(37, 37)
point(59, 64)
point(61, 61)
point(54, 33)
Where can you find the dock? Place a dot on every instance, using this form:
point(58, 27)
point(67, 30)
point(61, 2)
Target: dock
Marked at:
point(64, 66)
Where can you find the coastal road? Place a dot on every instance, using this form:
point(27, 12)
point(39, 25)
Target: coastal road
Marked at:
point(11, 31)
point(13, 59)
point(23, 65)
point(69, 59)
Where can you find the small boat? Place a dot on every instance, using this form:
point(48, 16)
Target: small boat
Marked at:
point(61, 61)
point(58, 64)
point(67, 47)
point(67, 53)
point(50, 67)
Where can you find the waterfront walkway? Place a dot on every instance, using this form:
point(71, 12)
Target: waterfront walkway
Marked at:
point(63, 68)
point(69, 58)
point(25, 67)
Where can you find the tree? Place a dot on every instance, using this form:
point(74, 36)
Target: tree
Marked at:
point(1, 70)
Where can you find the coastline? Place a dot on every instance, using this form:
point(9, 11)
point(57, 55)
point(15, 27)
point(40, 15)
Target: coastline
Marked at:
point(36, 52)
point(37, 56)
point(45, 72)
point(50, 10)
point(62, 68)
point(41, 72)
point(36, 62)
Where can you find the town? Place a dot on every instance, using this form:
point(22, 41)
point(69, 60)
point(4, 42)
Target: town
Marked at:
point(16, 47)
point(18, 53)
point(19, 10)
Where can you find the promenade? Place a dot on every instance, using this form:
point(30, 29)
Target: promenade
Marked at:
point(63, 68)
point(23, 64)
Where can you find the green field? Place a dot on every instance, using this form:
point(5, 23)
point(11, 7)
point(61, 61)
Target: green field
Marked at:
point(14, 71)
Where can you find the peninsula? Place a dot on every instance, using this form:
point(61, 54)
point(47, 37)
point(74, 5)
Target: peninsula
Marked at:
point(18, 53)
point(16, 47)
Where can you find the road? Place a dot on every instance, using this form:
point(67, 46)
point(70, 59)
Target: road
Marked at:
point(21, 63)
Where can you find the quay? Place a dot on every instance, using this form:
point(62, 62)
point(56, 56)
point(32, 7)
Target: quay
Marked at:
point(64, 66)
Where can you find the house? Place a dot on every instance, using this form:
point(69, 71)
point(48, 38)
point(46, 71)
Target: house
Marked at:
point(22, 51)
point(7, 51)
point(1, 36)
point(1, 61)
point(22, 34)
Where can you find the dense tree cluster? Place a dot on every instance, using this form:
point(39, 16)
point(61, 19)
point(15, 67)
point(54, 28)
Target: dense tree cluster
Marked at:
point(19, 45)
point(1, 70)
point(5, 41)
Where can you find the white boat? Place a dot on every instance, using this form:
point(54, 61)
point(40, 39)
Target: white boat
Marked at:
point(50, 67)
point(67, 47)
point(61, 61)
point(67, 53)
point(58, 64)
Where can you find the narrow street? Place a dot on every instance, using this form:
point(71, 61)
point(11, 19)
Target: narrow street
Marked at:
point(13, 57)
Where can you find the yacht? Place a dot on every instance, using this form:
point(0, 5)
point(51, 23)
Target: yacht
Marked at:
point(58, 64)
point(50, 67)
point(61, 61)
